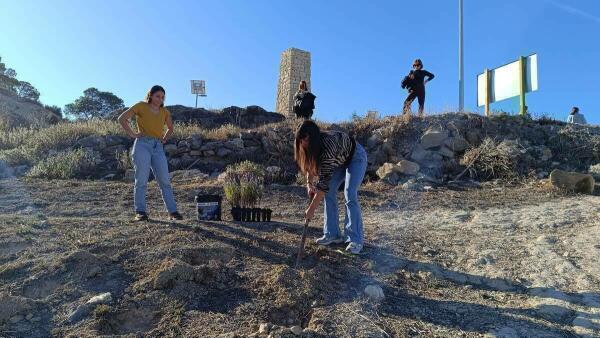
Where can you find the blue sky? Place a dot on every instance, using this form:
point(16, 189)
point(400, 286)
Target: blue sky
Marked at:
point(360, 50)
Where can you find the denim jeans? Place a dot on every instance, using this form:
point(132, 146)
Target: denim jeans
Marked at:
point(353, 175)
point(148, 153)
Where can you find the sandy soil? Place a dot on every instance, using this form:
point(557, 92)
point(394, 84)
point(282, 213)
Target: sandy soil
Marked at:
point(495, 261)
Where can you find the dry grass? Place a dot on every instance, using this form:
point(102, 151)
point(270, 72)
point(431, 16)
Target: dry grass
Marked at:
point(491, 160)
point(187, 130)
point(69, 164)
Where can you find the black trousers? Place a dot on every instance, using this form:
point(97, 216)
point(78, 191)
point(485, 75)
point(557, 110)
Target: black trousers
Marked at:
point(419, 94)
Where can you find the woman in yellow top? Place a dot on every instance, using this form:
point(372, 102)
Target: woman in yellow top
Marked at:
point(148, 153)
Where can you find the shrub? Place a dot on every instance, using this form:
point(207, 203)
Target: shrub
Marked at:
point(492, 159)
point(70, 164)
point(576, 145)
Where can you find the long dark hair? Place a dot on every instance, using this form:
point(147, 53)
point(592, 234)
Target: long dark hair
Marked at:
point(302, 85)
point(308, 159)
point(152, 91)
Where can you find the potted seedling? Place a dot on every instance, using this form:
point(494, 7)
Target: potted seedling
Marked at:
point(244, 185)
point(231, 188)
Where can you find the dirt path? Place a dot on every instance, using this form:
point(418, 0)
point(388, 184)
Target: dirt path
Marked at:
point(496, 262)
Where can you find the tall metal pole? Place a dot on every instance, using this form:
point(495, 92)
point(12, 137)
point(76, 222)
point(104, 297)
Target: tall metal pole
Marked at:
point(461, 63)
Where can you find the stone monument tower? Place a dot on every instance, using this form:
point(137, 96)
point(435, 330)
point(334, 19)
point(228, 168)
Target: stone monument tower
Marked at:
point(294, 67)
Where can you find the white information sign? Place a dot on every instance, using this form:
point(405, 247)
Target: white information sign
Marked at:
point(504, 81)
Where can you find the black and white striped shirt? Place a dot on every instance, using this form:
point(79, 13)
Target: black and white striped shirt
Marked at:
point(337, 149)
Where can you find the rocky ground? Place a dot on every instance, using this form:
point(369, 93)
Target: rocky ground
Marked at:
point(492, 261)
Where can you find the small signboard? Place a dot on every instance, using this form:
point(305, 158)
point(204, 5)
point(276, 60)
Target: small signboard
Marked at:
point(198, 87)
point(513, 79)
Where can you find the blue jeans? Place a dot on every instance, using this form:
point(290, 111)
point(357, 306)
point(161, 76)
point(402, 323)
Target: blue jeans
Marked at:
point(148, 153)
point(353, 176)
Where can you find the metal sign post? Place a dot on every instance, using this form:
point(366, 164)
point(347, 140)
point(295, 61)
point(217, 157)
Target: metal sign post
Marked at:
point(198, 88)
point(522, 84)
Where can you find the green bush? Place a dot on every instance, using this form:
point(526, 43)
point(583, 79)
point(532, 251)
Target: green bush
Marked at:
point(70, 164)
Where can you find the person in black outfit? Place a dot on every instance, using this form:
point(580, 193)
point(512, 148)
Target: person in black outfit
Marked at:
point(304, 102)
point(415, 83)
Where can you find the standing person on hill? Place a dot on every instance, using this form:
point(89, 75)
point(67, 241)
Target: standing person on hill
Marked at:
point(575, 117)
point(148, 153)
point(304, 102)
point(333, 157)
point(415, 83)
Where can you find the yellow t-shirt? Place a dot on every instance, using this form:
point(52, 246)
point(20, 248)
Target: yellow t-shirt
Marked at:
point(148, 122)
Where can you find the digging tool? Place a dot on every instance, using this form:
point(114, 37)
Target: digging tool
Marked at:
point(303, 240)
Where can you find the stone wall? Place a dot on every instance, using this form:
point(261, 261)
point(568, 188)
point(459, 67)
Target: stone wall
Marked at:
point(294, 67)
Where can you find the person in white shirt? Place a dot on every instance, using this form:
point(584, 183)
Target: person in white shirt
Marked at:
point(575, 117)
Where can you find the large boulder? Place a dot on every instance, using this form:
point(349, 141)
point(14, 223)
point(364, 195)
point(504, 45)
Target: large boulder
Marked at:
point(389, 173)
point(433, 138)
point(408, 168)
point(572, 181)
point(456, 143)
point(96, 142)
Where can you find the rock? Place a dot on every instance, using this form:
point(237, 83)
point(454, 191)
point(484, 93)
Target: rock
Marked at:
point(221, 177)
point(235, 144)
point(377, 156)
point(474, 136)
point(429, 251)
point(433, 138)
point(388, 147)
point(209, 153)
point(114, 140)
point(129, 175)
point(595, 171)
point(456, 143)
point(572, 181)
point(419, 153)
point(93, 141)
point(29, 316)
point(80, 312)
point(222, 152)
point(297, 330)
point(374, 292)
point(273, 170)
point(103, 298)
point(93, 271)
point(109, 177)
point(388, 173)
point(408, 168)
point(196, 142)
point(5, 170)
point(446, 152)
point(546, 154)
point(264, 328)
point(16, 319)
point(170, 149)
point(374, 140)
point(195, 153)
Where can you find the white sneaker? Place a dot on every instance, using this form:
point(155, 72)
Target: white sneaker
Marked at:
point(329, 240)
point(354, 248)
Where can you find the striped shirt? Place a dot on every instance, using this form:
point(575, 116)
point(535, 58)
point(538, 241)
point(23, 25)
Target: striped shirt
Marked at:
point(337, 149)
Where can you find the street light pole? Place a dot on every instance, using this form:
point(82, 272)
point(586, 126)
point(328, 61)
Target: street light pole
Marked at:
point(461, 63)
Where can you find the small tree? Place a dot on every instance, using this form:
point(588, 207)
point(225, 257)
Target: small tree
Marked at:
point(56, 110)
point(27, 91)
point(94, 103)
